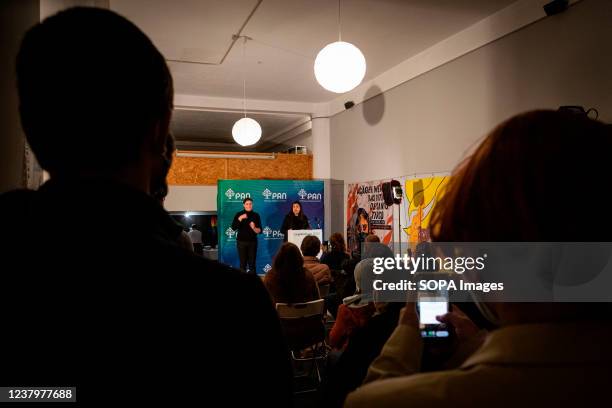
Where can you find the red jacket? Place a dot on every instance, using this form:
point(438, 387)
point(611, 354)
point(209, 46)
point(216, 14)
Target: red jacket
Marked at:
point(347, 320)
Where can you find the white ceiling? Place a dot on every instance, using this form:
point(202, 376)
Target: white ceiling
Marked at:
point(205, 130)
point(387, 32)
point(287, 34)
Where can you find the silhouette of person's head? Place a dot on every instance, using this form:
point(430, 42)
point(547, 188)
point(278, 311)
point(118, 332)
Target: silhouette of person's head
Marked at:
point(372, 238)
point(159, 185)
point(512, 186)
point(311, 246)
point(95, 97)
point(520, 185)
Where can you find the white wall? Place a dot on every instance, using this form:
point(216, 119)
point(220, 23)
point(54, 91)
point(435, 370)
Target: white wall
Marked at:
point(304, 139)
point(427, 124)
point(191, 198)
point(50, 7)
point(16, 16)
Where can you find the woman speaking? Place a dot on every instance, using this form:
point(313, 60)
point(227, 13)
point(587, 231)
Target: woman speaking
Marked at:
point(294, 220)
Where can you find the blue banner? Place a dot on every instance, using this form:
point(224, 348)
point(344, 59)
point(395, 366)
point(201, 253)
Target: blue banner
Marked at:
point(272, 201)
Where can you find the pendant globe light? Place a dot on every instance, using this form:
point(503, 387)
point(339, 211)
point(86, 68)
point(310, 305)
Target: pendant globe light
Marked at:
point(246, 131)
point(339, 66)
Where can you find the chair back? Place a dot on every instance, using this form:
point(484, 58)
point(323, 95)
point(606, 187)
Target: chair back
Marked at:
point(300, 310)
point(302, 323)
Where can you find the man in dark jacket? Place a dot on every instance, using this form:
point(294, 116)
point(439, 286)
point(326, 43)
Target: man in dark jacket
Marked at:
point(125, 315)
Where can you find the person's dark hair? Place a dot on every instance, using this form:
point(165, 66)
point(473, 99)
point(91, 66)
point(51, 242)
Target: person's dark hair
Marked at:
point(300, 214)
point(372, 238)
point(336, 240)
point(247, 199)
point(194, 226)
point(362, 212)
point(526, 179)
point(92, 87)
point(311, 246)
point(288, 273)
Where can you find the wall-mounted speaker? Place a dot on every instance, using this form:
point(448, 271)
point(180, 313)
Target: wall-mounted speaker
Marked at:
point(392, 192)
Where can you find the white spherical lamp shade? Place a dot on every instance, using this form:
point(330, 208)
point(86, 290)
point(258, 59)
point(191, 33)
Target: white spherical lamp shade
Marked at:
point(340, 67)
point(246, 132)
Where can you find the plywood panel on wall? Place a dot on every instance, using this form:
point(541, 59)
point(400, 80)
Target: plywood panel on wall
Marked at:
point(284, 166)
point(206, 171)
point(196, 171)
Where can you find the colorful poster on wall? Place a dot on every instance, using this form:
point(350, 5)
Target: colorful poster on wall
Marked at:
point(367, 214)
point(272, 200)
point(420, 197)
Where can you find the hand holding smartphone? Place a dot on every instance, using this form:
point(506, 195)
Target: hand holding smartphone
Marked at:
point(430, 305)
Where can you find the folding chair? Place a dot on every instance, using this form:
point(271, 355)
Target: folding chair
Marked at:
point(305, 334)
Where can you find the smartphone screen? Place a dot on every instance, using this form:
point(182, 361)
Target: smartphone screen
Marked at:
point(430, 307)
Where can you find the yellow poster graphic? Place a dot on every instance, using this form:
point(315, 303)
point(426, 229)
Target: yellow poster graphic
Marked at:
point(421, 195)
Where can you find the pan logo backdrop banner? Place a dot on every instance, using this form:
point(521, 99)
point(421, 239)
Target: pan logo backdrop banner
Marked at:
point(272, 201)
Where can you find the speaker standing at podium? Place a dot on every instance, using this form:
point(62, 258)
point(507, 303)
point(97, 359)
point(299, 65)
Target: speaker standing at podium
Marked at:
point(248, 224)
point(294, 220)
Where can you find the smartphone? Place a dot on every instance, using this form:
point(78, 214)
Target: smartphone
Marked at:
point(430, 305)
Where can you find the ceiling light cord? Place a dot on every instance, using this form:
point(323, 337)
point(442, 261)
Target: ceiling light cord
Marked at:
point(244, 76)
point(339, 23)
point(340, 66)
point(246, 131)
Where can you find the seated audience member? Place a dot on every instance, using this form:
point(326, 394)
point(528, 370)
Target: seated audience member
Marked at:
point(372, 238)
point(127, 306)
point(356, 310)
point(543, 354)
point(342, 268)
point(311, 246)
point(184, 241)
point(288, 281)
point(337, 255)
point(351, 367)
point(195, 235)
